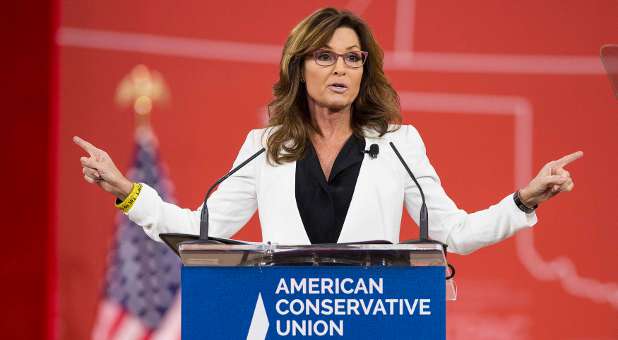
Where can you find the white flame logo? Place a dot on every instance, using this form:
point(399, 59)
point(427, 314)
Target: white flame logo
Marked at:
point(259, 321)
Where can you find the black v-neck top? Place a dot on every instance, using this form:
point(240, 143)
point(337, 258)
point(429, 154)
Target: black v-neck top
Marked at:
point(323, 205)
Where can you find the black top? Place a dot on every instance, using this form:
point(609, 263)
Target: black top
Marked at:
point(323, 205)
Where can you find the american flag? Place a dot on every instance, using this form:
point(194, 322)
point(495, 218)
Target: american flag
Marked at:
point(141, 297)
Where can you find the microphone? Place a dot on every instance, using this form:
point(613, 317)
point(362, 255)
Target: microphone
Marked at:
point(204, 214)
point(374, 150)
point(424, 218)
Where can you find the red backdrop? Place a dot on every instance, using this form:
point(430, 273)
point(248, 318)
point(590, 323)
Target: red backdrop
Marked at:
point(496, 88)
point(28, 169)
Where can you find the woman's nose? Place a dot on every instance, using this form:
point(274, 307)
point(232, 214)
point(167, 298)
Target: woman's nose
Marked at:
point(340, 66)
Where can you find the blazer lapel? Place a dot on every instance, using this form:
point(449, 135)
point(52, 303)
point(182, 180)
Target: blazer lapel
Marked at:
point(279, 216)
point(363, 219)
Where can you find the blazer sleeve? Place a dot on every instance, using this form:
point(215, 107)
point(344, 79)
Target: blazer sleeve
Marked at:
point(230, 206)
point(463, 232)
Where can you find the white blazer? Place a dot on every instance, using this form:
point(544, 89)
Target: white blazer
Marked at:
point(382, 189)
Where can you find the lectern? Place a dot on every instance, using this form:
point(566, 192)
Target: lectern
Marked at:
point(346, 291)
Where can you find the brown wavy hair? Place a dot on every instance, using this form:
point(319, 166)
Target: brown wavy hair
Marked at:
point(375, 107)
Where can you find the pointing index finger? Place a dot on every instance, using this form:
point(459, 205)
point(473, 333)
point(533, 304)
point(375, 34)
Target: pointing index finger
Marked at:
point(569, 158)
point(89, 148)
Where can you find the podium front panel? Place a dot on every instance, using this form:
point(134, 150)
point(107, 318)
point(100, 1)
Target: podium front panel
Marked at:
point(343, 302)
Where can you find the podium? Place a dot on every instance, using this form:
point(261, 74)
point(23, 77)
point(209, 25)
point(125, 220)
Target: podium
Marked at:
point(347, 291)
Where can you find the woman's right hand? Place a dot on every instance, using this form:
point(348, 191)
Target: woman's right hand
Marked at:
point(99, 169)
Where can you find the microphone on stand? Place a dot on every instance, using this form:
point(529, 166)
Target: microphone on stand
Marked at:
point(204, 215)
point(424, 217)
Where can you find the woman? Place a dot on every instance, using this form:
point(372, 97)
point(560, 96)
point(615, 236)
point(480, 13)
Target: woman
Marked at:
point(315, 183)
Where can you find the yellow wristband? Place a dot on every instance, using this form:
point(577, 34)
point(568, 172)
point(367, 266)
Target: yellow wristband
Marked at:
point(128, 202)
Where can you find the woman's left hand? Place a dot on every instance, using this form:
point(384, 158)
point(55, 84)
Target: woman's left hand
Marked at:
point(551, 180)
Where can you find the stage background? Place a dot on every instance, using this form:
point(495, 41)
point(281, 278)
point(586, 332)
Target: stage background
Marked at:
point(28, 164)
point(496, 89)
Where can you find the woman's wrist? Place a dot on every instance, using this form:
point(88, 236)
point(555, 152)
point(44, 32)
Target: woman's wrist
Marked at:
point(526, 199)
point(524, 202)
point(126, 204)
point(124, 189)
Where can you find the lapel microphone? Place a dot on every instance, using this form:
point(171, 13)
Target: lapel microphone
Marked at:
point(374, 150)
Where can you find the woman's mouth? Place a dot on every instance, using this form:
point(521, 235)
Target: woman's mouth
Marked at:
point(338, 87)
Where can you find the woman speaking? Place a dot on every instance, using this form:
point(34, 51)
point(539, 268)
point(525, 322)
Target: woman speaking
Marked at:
point(316, 183)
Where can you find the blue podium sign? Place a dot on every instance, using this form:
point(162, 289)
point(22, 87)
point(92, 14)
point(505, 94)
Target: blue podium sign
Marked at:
point(372, 302)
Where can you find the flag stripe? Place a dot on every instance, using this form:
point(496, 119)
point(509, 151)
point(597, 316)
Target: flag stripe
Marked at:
point(106, 316)
point(129, 328)
point(118, 321)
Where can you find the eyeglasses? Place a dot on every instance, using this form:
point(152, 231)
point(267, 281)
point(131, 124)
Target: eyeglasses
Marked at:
point(354, 59)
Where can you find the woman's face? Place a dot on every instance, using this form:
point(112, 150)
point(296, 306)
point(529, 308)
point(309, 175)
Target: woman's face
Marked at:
point(336, 86)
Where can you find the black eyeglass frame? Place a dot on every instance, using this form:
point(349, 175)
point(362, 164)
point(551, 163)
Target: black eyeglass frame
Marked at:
point(364, 55)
